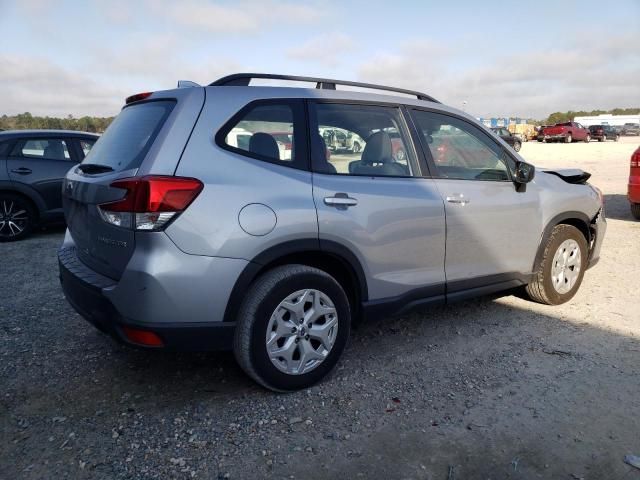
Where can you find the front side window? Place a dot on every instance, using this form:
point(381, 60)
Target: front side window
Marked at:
point(49, 148)
point(268, 132)
point(460, 150)
point(360, 140)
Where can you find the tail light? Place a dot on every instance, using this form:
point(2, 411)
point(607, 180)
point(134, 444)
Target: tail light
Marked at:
point(635, 159)
point(151, 202)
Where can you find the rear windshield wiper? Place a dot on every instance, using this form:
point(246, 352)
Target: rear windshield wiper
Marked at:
point(94, 168)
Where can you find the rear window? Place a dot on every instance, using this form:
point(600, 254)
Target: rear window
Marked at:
point(130, 136)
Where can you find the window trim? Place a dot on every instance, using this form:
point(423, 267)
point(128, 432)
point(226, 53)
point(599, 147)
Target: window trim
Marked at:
point(300, 135)
point(429, 157)
point(312, 125)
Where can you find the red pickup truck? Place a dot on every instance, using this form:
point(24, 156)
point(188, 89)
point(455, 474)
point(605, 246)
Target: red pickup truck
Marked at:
point(566, 132)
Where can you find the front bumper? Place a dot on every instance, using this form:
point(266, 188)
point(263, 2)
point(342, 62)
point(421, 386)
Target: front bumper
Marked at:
point(95, 297)
point(598, 229)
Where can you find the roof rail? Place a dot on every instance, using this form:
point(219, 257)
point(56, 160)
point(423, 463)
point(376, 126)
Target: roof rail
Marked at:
point(243, 79)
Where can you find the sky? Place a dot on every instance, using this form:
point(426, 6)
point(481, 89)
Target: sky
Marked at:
point(503, 58)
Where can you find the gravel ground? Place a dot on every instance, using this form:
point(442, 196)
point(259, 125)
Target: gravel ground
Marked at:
point(490, 388)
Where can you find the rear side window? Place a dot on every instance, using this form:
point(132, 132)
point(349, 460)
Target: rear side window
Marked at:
point(49, 148)
point(270, 131)
point(130, 136)
point(86, 146)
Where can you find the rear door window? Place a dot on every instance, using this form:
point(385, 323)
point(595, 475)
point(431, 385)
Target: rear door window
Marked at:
point(86, 146)
point(130, 136)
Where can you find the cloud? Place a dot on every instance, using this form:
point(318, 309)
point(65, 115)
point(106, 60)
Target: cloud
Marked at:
point(37, 85)
point(245, 16)
point(582, 75)
point(326, 49)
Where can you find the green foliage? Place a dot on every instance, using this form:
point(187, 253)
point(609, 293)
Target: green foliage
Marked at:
point(28, 121)
point(559, 117)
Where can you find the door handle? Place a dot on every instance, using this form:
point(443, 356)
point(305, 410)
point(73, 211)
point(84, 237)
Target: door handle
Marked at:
point(458, 199)
point(340, 200)
point(22, 171)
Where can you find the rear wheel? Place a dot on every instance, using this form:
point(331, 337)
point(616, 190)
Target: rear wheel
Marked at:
point(563, 264)
point(516, 146)
point(292, 327)
point(568, 139)
point(635, 210)
point(17, 217)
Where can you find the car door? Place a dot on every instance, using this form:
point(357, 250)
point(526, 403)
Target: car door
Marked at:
point(383, 210)
point(42, 163)
point(493, 230)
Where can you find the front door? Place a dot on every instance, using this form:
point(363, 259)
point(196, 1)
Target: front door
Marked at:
point(377, 206)
point(493, 231)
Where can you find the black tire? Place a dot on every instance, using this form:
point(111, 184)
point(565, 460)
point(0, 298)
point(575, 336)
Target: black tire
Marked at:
point(587, 139)
point(516, 146)
point(262, 299)
point(568, 139)
point(635, 210)
point(541, 288)
point(11, 208)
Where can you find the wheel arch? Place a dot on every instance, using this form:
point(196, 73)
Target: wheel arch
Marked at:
point(576, 219)
point(331, 257)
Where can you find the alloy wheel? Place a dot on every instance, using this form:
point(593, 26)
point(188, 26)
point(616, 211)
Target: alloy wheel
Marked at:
point(14, 218)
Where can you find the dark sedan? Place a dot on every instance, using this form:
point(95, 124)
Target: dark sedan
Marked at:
point(32, 166)
point(508, 137)
point(603, 133)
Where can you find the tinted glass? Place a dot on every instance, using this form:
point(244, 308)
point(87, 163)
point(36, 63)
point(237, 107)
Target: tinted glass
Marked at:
point(360, 140)
point(460, 150)
point(130, 136)
point(86, 146)
point(266, 132)
point(51, 149)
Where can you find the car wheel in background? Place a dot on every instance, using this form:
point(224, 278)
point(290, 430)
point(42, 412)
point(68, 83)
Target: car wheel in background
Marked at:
point(292, 327)
point(588, 138)
point(635, 210)
point(617, 138)
point(516, 146)
point(17, 217)
point(564, 261)
point(568, 139)
point(356, 147)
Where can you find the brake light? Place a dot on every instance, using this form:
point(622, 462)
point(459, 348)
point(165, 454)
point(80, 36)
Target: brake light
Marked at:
point(150, 202)
point(635, 159)
point(137, 97)
point(142, 337)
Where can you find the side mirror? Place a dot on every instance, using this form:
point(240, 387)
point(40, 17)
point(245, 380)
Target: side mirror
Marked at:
point(524, 173)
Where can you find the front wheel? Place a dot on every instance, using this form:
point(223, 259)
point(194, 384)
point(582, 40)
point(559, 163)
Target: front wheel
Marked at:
point(564, 261)
point(17, 217)
point(568, 139)
point(292, 327)
point(588, 138)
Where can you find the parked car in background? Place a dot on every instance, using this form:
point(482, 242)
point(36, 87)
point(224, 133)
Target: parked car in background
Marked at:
point(178, 238)
point(33, 164)
point(566, 132)
point(508, 137)
point(540, 132)
point(631, 129)
point(338, 139)
point(633, 191)
point(602, 133)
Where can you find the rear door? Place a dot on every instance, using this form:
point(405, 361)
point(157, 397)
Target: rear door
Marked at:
point(492, 230)
point(380, 207)
point(41, 163)
point(147, 137)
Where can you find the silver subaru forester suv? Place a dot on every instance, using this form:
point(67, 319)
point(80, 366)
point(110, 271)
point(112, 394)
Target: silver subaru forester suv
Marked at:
point(224, 217)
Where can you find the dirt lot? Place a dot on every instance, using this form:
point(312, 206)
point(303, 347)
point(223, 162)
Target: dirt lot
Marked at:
point(490, 388)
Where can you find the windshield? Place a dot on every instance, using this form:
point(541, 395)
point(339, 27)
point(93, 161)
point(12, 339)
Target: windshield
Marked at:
point(130, 136)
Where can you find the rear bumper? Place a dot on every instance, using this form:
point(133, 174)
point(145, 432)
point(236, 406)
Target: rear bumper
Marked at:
point(633, 191)
point(599, 227)
point(95, 298)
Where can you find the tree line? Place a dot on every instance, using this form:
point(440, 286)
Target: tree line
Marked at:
point(99, 124)
point(560, 117)
point(27, 121)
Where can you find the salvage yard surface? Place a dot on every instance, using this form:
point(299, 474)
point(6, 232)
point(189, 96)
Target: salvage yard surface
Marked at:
point(489, 388)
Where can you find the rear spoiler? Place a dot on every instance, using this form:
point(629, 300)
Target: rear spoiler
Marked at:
point(571, 175)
